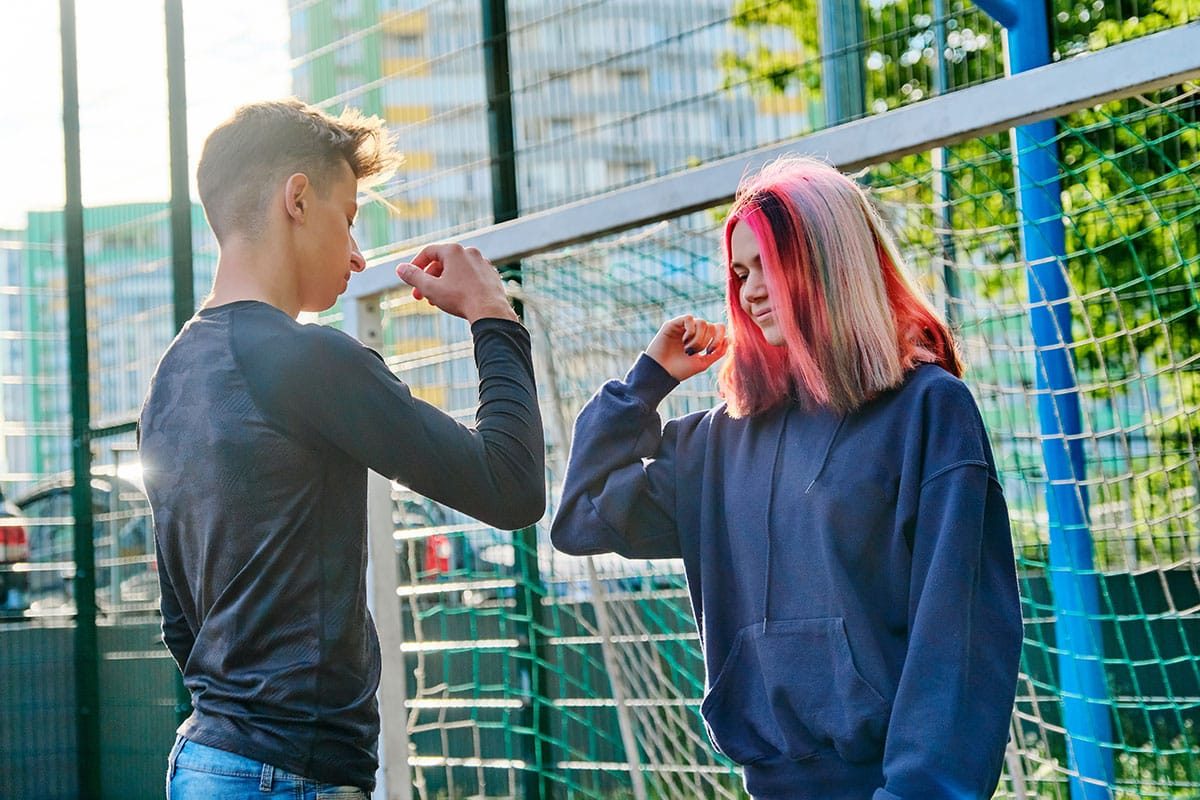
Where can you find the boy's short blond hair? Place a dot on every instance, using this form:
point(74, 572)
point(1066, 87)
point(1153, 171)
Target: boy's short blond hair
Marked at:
point(247, 157)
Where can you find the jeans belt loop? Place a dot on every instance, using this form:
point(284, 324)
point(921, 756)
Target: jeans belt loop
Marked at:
point(268, 778)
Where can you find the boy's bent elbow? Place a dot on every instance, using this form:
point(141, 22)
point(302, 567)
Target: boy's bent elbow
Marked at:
point(532, 507)
point(521, 511)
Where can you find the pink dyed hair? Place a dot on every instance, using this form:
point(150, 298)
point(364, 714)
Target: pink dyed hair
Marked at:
point(852, 323)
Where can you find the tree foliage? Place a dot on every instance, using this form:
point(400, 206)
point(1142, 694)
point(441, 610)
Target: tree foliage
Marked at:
point(1128, 173)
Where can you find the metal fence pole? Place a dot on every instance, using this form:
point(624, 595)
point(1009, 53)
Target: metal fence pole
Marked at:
point(183, 293)
point(501, 135)
point(362, 320)
point(87, 671)
point(1073, 576)
point(530, 612)
point(842, 78)
point(608, 647)
point(182, 276)
point(942, 188)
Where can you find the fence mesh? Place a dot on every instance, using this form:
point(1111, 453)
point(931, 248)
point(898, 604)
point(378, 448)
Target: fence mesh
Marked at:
point(585, 675)
point(127, 251)
point(623, 671)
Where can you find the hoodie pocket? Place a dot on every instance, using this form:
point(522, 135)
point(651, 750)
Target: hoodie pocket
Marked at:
point(735, 710)
point(794, 689)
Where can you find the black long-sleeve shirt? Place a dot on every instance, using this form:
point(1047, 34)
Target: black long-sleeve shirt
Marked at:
point(255, 440)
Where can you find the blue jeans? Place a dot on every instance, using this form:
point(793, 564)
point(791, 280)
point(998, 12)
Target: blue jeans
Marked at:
point(197, 772)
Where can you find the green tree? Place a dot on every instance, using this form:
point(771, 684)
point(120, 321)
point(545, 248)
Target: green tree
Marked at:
point(899, 50)
point(1130, 205)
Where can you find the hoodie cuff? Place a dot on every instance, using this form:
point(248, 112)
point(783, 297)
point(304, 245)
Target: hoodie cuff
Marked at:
point(649, 382)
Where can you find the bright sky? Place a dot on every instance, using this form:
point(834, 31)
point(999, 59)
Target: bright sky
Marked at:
point(236, 50)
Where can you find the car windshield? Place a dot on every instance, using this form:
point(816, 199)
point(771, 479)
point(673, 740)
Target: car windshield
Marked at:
point(123, 542)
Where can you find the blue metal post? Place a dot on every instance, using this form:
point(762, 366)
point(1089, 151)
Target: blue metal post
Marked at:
point(1073, 578)
point(842, 80)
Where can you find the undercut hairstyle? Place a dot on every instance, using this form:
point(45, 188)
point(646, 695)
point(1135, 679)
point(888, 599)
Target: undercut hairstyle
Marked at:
point(248, 156)
point(853, 324)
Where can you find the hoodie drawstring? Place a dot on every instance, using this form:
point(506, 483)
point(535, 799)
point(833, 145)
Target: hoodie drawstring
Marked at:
point(779, 444)
point(771, 495)
point(825, 457)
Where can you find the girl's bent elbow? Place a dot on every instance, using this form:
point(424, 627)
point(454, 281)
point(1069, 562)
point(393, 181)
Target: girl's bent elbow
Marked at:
point(564, 541)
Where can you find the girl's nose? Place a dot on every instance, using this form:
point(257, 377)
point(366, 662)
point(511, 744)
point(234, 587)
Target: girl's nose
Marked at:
point(755, 287)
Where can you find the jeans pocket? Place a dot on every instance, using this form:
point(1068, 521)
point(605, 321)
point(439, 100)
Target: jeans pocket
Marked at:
point(171, 759)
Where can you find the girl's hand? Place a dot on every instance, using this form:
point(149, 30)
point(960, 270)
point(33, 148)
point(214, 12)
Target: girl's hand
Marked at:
point(687, 345)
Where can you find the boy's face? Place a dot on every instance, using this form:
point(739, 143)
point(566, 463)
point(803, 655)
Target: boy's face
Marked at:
point(328, 251)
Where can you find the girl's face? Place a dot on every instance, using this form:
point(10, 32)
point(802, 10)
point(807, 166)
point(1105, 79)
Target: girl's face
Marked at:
point(752, 285)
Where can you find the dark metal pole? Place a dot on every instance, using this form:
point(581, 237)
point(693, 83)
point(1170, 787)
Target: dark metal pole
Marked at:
point(501, 136)
point(530, 612)
point(183, 293)
point(182, 281)
point(87, 673)
point(941, 174)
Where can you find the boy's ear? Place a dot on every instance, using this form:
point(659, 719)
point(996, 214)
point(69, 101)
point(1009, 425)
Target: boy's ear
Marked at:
point(296, 193)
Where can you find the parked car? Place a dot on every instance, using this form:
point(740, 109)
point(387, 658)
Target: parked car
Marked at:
point(438, 545)
point(14, 554)
point(123, 541)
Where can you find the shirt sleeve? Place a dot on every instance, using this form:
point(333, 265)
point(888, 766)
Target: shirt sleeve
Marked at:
point(177, 634)
point(324, 386)
point(619, 491)
point(950, 720)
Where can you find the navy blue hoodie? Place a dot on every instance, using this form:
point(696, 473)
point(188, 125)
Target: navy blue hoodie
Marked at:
point(852, 578)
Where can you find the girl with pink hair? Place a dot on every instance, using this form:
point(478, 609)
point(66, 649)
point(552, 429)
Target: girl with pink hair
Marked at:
point(845, 537)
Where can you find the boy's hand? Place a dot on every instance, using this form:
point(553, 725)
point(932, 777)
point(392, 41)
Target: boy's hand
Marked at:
point(458, 280)
point(687, 345)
